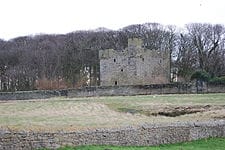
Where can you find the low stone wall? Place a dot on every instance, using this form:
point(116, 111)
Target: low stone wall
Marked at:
point(26, 95)
point(143, 135)
point(113, 91)
point(130, 90)
point(219, 88)
point(38, 94)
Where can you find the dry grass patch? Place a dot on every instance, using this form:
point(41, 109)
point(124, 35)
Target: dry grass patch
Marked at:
point(57, 115)
point(106, 112)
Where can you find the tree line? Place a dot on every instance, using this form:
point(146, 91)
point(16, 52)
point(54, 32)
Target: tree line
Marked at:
point(71, 60)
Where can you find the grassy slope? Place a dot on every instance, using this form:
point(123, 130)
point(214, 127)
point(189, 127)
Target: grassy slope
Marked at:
point(151, 104)
point(76, 113)
point(204, 144)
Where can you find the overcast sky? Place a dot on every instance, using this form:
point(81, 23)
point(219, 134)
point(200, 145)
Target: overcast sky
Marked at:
point(30, 17)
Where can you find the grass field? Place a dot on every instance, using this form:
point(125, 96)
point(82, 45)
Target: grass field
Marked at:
point(106, 112)
point(204, 144)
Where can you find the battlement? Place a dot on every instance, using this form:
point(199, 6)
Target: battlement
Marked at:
point(135, 42)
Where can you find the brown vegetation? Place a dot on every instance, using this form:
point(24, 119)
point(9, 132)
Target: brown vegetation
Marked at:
point(109, 112)
point(74, 56)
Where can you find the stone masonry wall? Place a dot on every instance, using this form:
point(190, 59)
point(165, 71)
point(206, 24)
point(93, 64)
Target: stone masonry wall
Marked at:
point(134, 66)
point(130, 90)
point(39, 94)
point(142, 135)
point(113, 91)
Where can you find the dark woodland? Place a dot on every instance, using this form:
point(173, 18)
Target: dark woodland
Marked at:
point(71, 60)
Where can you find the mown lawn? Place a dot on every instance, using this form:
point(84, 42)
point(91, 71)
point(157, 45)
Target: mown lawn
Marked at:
point(204, 144)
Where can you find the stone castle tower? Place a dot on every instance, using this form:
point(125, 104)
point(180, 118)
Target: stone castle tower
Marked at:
point(134, 66)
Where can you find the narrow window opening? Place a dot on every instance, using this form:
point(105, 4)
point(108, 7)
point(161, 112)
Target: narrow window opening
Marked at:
point(114, 60)
point(143, 59)
point(115, 82)
point(121, 70)
point(160, 61)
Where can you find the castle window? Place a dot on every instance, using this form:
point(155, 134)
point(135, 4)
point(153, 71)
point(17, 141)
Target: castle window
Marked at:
point(115, 82)
point(145, 74)
point(160, 61)
point(121, 70)
point(153, 76)
point(114, 60)
point(143, 59)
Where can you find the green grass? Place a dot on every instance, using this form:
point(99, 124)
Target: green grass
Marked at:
point(204, 144)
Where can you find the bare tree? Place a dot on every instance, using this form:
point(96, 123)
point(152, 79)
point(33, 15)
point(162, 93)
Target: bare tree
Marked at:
point(73, 57)
point(206, 39)
point(186, 57)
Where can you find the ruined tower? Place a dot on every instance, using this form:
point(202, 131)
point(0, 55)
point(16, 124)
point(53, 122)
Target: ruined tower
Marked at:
point(134, 65)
